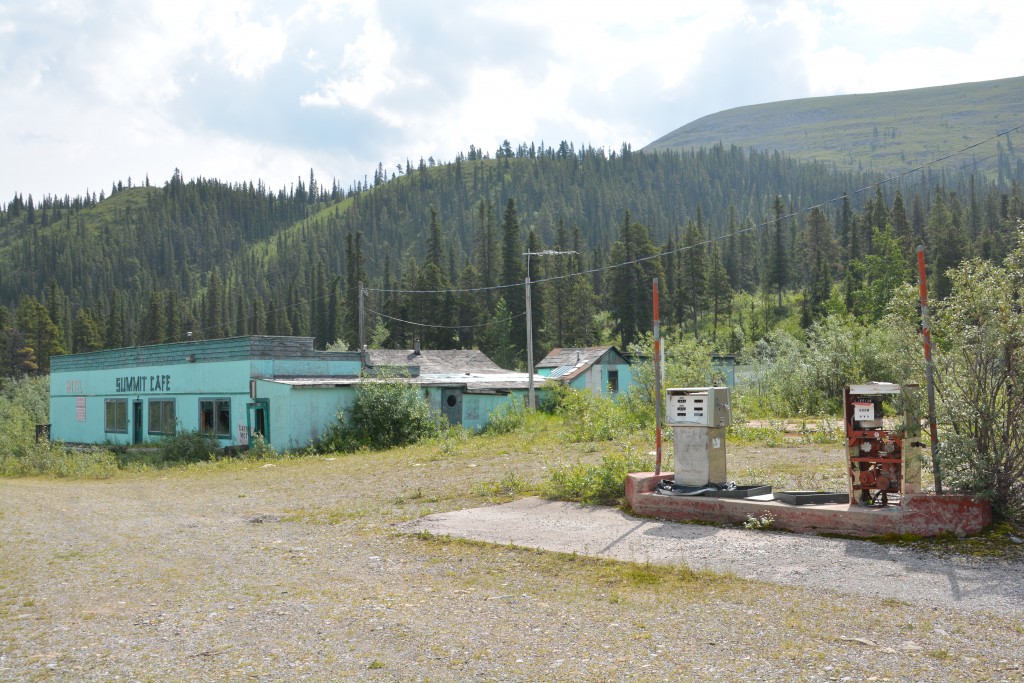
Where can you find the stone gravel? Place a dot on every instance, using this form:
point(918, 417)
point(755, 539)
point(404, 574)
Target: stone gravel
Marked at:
point(317, 570)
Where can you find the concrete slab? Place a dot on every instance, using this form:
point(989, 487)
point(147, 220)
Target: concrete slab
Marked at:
point(829, 564)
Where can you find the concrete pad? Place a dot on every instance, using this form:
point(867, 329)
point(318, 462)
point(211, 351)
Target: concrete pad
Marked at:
point(846, 566)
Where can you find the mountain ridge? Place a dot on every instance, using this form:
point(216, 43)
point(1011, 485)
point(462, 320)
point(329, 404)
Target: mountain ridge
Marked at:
point(889, 132)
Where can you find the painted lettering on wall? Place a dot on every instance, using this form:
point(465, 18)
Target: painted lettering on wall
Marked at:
point(73, 386)
point(140, 384)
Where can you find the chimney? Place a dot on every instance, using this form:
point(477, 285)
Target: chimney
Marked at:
point(416, 348)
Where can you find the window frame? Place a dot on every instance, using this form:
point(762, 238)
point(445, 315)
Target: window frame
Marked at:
point(120, 408)
point(162, 418)
point(220, 410)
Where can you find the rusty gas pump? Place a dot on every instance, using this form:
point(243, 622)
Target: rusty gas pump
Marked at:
point(884, 456)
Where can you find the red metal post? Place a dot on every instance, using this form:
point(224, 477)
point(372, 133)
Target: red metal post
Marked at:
point(928, 369)
point(657, 383)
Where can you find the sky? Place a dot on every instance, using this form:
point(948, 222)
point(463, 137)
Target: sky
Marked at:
point(93, 92)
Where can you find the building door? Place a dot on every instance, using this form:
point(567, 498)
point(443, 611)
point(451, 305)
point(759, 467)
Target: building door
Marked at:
point(451, 405)
point(137, 422)
point(258, 418)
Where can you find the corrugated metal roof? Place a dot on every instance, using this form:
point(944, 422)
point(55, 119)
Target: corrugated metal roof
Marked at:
point(559, 372)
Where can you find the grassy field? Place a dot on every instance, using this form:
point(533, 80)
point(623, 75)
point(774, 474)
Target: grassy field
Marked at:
point(294, 569)
point(888, 132)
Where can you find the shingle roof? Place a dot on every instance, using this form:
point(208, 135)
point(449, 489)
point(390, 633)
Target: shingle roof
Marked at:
point(568, 363)
point(573, 356)
point(436, 362)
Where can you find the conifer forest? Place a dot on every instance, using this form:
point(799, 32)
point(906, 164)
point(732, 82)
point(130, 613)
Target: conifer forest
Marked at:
point(741, 241)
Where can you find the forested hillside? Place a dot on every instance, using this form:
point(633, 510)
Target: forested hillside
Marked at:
point(440, 250)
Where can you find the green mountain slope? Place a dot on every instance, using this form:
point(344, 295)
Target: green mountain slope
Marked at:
point(148, 264)
point(889, 132)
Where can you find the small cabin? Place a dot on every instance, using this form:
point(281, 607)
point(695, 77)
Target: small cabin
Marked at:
point(599, 369)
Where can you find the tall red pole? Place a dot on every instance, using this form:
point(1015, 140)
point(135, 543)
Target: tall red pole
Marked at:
point(928, 369)
point(657, 383)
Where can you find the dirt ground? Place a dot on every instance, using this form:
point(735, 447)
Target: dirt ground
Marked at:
point(307, 570)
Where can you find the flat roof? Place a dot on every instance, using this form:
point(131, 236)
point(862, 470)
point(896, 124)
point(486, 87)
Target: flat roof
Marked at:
point(254, 347)
point(469, 380)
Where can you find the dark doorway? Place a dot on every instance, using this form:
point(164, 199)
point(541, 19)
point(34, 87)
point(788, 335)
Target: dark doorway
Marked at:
point(137, 422)
point(613, 381)
point(451, 405)
point(258, 418)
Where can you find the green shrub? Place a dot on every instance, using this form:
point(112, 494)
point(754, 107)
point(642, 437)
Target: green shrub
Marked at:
point(588, 416)
point(794, 377)
point(979, 336)
point(507, 418)
point(601, 484)
point(57, 460)
point(31, 394)
point(385, 414)
point(186, 446)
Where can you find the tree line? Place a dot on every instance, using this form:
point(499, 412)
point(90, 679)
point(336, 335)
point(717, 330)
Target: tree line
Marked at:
point(440, 250)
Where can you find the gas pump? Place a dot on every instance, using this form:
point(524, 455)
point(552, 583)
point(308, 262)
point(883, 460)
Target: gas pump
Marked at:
point(884, 456)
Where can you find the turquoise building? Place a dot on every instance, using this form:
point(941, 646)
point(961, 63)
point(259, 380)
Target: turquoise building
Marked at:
point(599, 369)
point(279, 387)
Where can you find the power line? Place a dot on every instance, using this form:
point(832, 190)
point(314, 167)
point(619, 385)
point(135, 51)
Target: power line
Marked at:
point(723, 236)
point(447, 327)
point(703, 243)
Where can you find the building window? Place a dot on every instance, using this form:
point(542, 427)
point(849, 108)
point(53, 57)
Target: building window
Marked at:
point(161, 416)
point(116, 415)
point(613, 381)
point(215, 417)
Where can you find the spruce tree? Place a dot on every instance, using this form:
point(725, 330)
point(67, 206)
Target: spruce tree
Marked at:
point(153, 323)
point(720, 293)
point(632, 291)
point(692, 282)
point(512, 274)
point(41, 335)
point(778, 269)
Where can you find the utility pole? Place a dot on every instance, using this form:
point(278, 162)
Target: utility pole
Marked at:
point(926, 333)
point(529, 318)
point(657, 381)
point(362, 319)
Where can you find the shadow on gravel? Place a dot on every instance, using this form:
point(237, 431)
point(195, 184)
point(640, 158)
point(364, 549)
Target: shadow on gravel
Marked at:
point(964, 577)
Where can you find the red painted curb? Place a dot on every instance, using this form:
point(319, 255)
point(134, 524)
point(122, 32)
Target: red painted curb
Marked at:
point(920, 514)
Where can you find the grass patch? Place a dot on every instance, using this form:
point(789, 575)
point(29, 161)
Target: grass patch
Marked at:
point(601, 484)
point(512, 485)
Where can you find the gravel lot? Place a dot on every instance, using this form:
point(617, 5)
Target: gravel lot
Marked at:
point(307, 570)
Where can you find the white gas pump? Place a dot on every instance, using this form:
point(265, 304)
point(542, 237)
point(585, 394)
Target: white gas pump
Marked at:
point(698, 417)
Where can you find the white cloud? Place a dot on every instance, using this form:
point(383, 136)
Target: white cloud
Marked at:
point(366, 72)
point(242, 89)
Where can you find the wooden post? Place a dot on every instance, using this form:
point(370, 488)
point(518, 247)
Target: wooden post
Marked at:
point(928, 369)
point(657, 383)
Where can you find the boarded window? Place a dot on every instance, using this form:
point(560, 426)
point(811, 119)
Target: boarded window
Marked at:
point(116, 415)
point(161, 416)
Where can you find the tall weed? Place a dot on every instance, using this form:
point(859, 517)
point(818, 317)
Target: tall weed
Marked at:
point(600, 484)
point(507, 418)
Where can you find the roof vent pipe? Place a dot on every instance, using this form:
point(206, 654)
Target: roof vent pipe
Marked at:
point(416, 348)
